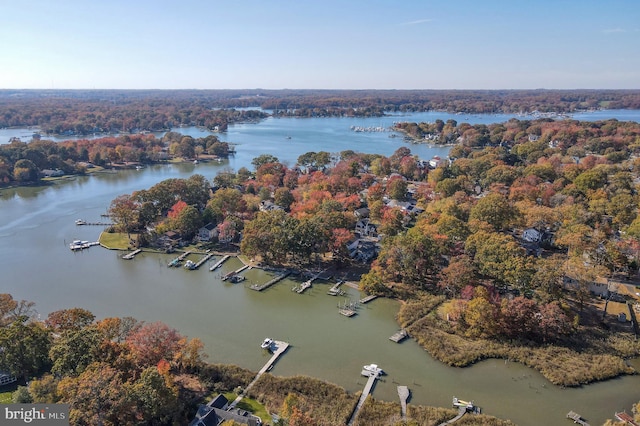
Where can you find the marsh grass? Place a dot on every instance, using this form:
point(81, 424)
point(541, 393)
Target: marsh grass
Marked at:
point(577, 361)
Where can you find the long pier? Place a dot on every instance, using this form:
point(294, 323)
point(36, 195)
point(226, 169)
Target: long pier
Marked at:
point(219, 262)
point(132, 254)
point(279, 349)
point(365, 393)
point(271, 282)
point(200, 262)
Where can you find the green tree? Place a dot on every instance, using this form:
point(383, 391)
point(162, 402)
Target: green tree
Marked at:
point(188, 222)
point(496, 210)
point(124, 213)
point(25, 347)
point(154, 397)
point(263, 159)
point(74, 350)
point(25, 171)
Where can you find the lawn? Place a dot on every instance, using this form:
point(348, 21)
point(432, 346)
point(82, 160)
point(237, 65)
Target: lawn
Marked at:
point(115, 240)
point(250, 405)
point(6, 392)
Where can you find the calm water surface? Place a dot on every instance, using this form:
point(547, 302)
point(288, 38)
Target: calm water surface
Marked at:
point(36, 225)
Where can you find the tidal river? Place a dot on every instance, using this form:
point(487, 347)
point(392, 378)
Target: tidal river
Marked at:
point(37, 224)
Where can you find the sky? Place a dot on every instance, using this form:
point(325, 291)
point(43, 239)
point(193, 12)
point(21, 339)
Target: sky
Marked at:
point(320, 44)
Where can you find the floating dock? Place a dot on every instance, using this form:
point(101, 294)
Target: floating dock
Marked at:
point(219, 262)
point(577, 418)
point(368, 298)
point(271, 282)
point(399, 336)
point(132, 254)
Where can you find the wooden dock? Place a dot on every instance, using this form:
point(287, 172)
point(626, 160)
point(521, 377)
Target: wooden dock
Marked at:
point(626, 418)
point(461, 412)
point(132, 254)
point(365, 393)
point(82, 222)
point(271, 282)
point(177, 260)
point(200, 262)
point(236, 272)
point(577, 418)
point(219, 262)
point(279, 349)
point(368, 298)
point(399, 336)
point(335, 290)
point(77, 246)
point(403, 394)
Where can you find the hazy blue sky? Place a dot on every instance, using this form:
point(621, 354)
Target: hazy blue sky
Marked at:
point(332, 44)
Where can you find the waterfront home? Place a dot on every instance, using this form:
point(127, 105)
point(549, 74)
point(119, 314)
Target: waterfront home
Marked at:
point(52, 173)
point(363, 250)
point(207, 232)
point(215, 413)
point(169, 239)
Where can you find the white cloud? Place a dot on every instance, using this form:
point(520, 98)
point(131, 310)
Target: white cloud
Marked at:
point(418, 22)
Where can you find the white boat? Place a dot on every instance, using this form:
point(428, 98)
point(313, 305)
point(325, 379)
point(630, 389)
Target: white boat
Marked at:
point(373, 368)
point(190, 264)
point(266, 343)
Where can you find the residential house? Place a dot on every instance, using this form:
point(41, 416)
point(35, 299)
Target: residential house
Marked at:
point(532, 235)
point(170, 239)
point(52, 173)
point(207, 232)
point(363, 250)
point(365, 228)
point(268, 206)
point(435, 162)
point(217, 412)
point(599, 287)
